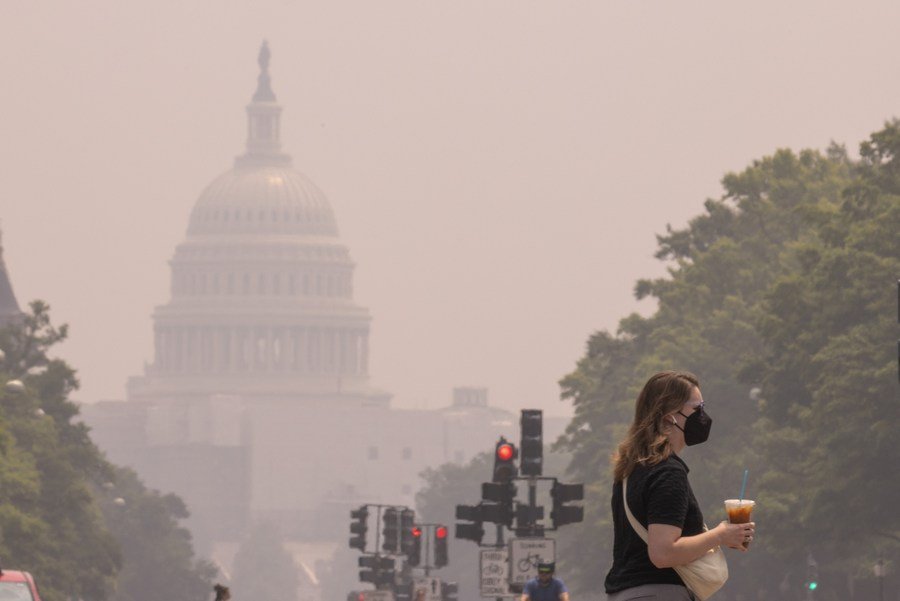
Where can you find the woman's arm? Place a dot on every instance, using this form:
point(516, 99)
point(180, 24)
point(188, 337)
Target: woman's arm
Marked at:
point(667, 548)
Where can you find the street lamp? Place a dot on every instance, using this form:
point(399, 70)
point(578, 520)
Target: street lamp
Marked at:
point(15, 386)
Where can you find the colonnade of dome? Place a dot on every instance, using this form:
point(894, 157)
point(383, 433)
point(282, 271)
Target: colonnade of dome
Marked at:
point(324, 350)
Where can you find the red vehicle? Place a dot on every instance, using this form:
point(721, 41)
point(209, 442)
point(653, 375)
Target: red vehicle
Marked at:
point(17, 586)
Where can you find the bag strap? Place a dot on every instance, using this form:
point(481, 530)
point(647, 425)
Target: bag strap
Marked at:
point(641, 531)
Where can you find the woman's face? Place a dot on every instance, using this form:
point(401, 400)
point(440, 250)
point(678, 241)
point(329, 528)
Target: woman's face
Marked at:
point(676, 434)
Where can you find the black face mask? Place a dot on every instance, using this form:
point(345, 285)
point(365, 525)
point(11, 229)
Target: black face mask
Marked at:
point(696, 427)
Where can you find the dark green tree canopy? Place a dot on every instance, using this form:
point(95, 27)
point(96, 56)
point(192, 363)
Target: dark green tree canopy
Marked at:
point(781, 296)
point(84, 528)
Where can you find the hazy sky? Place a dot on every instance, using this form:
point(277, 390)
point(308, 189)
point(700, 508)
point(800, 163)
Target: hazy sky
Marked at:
point(498, 169)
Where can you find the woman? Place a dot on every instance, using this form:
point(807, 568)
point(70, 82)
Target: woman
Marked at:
point(668, 416)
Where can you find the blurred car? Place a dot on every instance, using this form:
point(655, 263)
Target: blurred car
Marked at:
point(16, 585)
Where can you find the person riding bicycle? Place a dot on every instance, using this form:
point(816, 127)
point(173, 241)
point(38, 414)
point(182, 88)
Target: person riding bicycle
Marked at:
point(545, 587)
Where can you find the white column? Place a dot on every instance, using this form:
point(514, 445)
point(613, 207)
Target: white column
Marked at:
point(301, 359)
point(233, 349)
point(353, 358)
point(364, 352)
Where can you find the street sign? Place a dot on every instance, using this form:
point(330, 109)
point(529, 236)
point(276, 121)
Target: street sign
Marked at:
point(431, 586)
point(377, 596)
point(526, 554)
point(494, 568)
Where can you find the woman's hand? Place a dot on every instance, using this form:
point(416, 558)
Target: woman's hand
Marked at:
point(734, 536)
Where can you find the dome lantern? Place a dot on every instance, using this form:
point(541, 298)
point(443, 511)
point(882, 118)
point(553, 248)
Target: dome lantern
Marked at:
point(263, 121)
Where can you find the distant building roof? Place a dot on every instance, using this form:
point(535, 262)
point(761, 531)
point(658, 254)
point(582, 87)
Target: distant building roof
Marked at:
point(9, 308)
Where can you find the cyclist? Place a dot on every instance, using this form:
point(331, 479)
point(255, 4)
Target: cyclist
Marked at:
point(545, 587)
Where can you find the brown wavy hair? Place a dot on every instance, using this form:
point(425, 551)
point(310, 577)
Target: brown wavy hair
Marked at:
point(646, 442)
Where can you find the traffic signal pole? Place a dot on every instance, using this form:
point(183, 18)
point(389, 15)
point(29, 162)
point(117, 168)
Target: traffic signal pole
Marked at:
point(500, 544)
point(377, 528)
point(429, 542)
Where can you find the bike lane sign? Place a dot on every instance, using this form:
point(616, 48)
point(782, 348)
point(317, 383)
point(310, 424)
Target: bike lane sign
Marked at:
point(494, 566)
point(526, 554)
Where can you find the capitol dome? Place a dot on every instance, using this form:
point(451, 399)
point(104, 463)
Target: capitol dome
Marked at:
point(262, 199)
point(262, 287)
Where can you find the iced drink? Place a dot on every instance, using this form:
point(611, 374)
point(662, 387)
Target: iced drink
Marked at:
point(739, 512)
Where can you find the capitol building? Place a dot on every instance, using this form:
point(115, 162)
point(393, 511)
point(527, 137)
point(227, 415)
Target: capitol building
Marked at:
point(257, 405)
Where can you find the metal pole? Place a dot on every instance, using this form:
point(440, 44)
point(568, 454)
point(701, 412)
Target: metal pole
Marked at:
point(532, 506)
point(378, 530)
point(499, 544)
point(431, 528)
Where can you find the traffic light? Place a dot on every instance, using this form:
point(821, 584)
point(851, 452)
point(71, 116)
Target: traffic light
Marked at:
point(527, 519)
point(504, 461)
point(449, 591)
point(378, 570)
point(499, 508)
point(440, 546)
point(532, 443)
point(359, 528)
point(812, 574)
point(407, 519)
point(474, 531)
point(563, 514)
point(391, 530)
point(412, 545)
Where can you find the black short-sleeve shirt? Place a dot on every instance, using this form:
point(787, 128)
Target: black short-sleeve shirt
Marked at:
point(657, 494)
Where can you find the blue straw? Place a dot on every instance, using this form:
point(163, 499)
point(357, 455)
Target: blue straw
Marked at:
point(744, 484)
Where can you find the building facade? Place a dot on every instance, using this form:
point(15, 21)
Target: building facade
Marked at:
point(257, 405)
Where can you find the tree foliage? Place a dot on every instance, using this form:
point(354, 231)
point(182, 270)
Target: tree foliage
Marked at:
point(780, 296)
point(145, 524)
point(57, 515)
point(263, 569)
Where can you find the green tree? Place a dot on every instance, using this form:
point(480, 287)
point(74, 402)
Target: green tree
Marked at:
point(780, 297)
point(444, 488)
point(49, 522)
point(263, 569)
point(829, 374)
point(145, 524)
point(58, 517)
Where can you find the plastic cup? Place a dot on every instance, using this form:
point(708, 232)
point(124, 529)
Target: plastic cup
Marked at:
point(739, 512)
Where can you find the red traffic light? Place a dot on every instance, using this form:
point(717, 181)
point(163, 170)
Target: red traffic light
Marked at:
point(416, 531)
point(440, 532)
point(505, 452)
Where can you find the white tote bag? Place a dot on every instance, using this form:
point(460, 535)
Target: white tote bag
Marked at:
point(703, 576)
